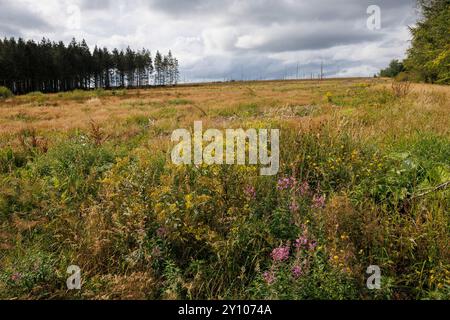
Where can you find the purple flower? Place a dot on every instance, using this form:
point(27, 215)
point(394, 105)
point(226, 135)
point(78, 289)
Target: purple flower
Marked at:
point(312, 245)
point(280, 254)
point(303, 189)
point(304, 241)
point(250, 192)
point(269, 277)
point(301, 242)
point(297, 272)
point(161, 232)
point(286, 183)
point(294, 206)
point(318, 202)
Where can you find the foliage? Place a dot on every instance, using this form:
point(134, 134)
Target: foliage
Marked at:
point(395, 67)
point(401, 88)
point(5, 93)
point(27, 66)
point(429, 56)
point(106, 197)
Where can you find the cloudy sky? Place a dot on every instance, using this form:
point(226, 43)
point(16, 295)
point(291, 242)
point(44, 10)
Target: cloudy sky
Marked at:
point(228, 39)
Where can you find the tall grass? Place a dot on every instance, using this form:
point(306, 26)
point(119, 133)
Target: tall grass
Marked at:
point(108, 199)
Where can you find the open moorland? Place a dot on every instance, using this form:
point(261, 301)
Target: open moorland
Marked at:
point(86, 179)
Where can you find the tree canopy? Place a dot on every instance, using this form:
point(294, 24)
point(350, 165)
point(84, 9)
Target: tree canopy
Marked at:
point(395, 67)
point(27, 66)
point(428, 58)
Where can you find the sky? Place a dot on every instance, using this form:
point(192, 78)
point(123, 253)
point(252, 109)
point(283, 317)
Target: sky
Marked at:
point(218, 40)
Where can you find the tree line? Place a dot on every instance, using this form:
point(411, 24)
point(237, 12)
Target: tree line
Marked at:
point(46, 66)
point(428, 58)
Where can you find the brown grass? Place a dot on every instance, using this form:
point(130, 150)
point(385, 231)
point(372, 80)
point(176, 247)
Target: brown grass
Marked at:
point(297, 102)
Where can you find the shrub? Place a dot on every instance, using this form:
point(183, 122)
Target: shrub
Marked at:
point(401, 88)
point(5, 93)
point(403, 77)
point(180, 102)
point(35, 94)
point(33, 271)
point(395, 67)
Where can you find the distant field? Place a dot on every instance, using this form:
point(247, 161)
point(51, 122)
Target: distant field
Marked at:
point(86, 179)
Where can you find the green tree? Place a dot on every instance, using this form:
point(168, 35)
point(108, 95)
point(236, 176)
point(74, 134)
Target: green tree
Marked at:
point(46, 66)
point(395, 67)
point(429, 56)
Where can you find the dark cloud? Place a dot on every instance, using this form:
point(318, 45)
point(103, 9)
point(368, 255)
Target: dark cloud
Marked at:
point(259, 67)
point(331, 23)
point(14, 19)
point(263, 12)
point(223, 39)
point(320, 37)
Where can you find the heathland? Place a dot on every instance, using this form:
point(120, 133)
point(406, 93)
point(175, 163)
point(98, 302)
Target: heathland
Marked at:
point(86, 179)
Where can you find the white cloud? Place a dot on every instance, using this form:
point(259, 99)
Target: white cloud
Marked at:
point(216, 39)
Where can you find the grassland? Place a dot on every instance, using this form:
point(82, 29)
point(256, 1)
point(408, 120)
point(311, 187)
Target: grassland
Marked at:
point(86, 179)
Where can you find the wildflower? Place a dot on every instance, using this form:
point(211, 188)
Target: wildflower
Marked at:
point(250, 192)
point(318, 202)
point(16, 277)
point(296, 272)
point(301, 242)
point(312, 245)
point(286, 183)
point(161, 232)
point(294, 206)
point(304, 188)
point(281, 253)
point(269, 277)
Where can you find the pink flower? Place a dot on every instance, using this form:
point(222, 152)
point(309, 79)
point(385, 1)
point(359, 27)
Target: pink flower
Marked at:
point(269, 277)
point(303, 188)
point(297, 272)
point(294, 206)
point(286, 183)
point(304, 242)
point(318, 202)
point(280, 254)
point(312, 245)
point(161, 232)
point(250, 192)
point(301, 242)
point(16, 277)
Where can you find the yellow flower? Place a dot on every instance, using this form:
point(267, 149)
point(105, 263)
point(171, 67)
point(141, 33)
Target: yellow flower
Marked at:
point(188, 199)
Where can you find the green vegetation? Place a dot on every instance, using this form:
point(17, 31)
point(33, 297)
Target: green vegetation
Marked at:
point(428, 59)
point(395, 67)
point(356, 187)
point(5, 92)
point(27, 66)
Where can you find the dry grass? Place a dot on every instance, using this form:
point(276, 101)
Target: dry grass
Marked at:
point(300, 102)
point(17, 114)
point(85, 179)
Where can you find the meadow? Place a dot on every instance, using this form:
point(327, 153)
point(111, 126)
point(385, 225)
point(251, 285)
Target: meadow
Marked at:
point(86, 179)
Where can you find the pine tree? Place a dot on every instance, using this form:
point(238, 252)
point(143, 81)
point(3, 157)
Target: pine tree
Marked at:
point(159, 69)
point(46, 66)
